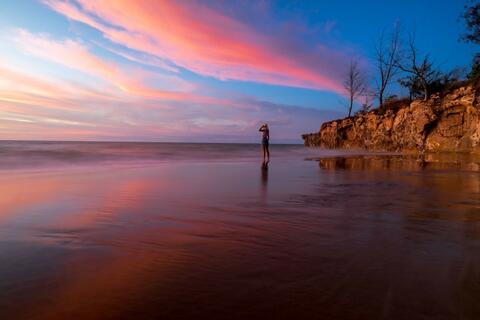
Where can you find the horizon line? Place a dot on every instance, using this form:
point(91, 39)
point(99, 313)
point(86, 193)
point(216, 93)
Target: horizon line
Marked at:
point(140, 141)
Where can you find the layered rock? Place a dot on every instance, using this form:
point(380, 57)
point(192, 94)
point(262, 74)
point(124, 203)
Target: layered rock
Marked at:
point(450, 123)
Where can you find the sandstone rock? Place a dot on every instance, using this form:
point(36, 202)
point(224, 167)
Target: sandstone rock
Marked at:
point(450, 123)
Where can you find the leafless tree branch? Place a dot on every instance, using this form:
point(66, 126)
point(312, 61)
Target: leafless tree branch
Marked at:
point(354, 84)
point(421, 74)
point(387, 53)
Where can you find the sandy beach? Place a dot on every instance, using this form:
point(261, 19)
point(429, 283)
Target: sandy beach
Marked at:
point(163, 235)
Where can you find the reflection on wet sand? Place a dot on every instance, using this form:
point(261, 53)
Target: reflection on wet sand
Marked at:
point(364, 238)
point(265, 173)
point(399, 162)
point(372, 163)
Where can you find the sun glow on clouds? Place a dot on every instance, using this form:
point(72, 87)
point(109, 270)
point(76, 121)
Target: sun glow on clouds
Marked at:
point(201, 40)
point(131, 85)
point(75, 55)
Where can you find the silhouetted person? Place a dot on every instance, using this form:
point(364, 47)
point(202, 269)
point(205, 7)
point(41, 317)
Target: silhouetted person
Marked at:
point(265, 141)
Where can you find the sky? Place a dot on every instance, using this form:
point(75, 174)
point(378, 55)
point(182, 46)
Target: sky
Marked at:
point(198, 71)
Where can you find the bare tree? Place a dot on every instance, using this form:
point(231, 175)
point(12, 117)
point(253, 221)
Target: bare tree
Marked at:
point(354, 84)
point(387, 53)
point(421, 73)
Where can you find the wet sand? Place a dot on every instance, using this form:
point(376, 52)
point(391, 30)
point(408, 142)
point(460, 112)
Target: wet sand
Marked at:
point(212, 237)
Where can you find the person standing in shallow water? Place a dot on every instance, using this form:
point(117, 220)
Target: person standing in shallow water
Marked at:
point(265, 141)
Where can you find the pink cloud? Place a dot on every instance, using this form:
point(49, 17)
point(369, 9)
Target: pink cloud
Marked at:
point(34, 111)
point(75, 55)
point(125, 106)
point(204, 41)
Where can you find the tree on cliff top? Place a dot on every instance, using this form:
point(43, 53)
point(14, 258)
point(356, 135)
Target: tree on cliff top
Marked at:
point(387, 53)
point(354, 84)
point(420, 70)
point(410, 82)
point(472, 18)
point(475, 68)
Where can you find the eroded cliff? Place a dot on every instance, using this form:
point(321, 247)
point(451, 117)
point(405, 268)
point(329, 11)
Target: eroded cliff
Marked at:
point(450, 123)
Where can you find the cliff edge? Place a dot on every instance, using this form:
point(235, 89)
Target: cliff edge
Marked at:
point(450, 123)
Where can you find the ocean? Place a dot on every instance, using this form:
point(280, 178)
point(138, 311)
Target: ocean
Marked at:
point(110, 230)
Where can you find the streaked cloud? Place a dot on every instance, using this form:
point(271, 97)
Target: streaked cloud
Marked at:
point(150, 73)
point(75, 55)
point(31, 111)
point(195, 37)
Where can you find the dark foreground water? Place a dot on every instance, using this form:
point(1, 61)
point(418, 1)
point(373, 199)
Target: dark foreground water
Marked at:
point(184, 231)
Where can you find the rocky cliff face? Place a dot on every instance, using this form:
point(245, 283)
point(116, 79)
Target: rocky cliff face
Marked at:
point(450, 123)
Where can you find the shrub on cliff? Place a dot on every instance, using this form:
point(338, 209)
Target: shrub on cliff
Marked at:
point(474, 73)
point(393, 103)
point(445, 83)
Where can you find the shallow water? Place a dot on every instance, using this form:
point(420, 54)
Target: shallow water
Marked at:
point(183, 231)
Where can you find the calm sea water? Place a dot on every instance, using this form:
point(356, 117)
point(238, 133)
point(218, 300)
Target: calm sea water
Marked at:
point(205, 231)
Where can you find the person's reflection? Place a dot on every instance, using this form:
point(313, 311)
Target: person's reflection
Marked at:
point(264, 175)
